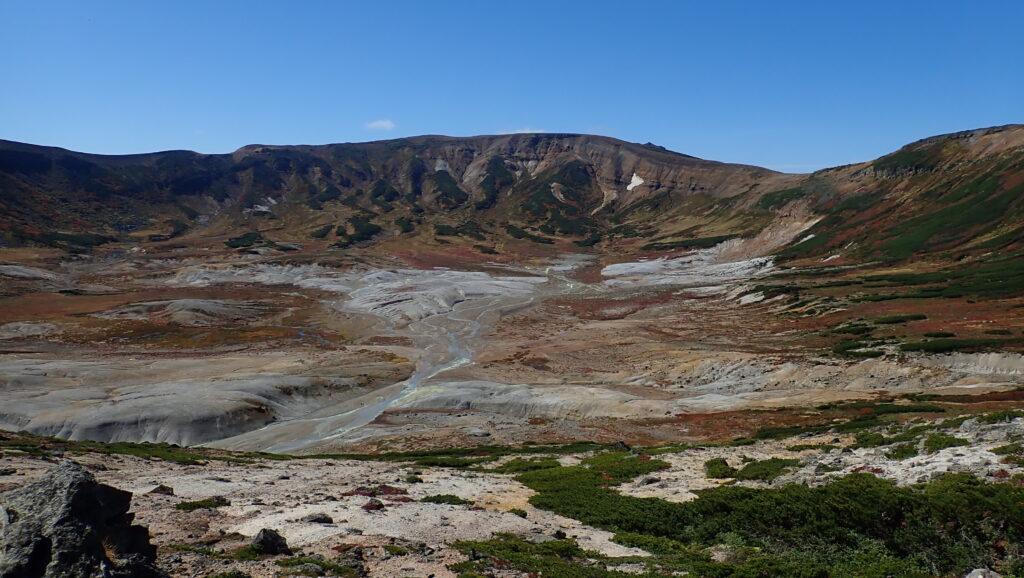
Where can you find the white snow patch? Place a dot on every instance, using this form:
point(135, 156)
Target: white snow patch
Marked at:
point(634, 182)
point(805, 239)
point(829, 258)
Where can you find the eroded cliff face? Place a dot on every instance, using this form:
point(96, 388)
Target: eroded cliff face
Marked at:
point(626, 171)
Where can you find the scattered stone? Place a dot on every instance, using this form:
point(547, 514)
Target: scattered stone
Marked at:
point(318, 518)
point(162, 490)
point(269, 542)
point(68, 524)
point(308, 569)
point(373, 505)
point(983, 573)
point(476, 432)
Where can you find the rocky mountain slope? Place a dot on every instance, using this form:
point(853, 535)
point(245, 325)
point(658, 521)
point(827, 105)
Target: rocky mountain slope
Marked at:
point(953, 197)
point(957, 196)
point(579, 186)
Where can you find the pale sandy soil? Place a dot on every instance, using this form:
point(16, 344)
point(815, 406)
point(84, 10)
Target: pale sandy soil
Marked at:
point(249, 354)
point(279, 494)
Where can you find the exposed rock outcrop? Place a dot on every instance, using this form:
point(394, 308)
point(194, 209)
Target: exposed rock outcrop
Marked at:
point(68, 525)
point(270, 542)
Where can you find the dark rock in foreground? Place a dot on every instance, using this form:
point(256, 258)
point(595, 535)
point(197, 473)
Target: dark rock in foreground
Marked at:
point(68, 525)
point(268, 541)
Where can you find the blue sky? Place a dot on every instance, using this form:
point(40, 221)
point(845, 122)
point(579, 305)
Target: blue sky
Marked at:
point(793, 86)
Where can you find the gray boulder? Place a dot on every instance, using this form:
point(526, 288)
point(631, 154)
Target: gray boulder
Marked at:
point(318, 518)
point(68, 525)
point(268, 541)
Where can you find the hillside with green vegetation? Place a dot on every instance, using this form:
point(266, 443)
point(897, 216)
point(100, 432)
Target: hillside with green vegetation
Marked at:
point(954, 198)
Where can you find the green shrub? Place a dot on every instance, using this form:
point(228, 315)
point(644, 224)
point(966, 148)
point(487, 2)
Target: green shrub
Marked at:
point(853, 330)
point(248, 552)
point(893, 319)
point(74, 240)
point(246, 240)
point(446, 499)
point(555, 558)
point(940, 441)
point(765, 470)
point(518, 233)
point(902, 451)
point(1008, 449)
point(906, 160)
point(322, 232)
point(857, 525)
point(404, 224)
point(468, 229)
point(802, 447)
point(1001, 416)
point(519, 465)
point(451, 196)
point(718, 468)
point(947, 345)
point(855, 348)
point(518, 512)
point(497, 179)
point(328, 568)
point(450, 461)
point(779, 198)
point(206, 503)
point(362, 229)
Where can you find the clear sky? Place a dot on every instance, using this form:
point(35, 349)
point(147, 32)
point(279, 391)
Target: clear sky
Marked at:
point(793, 86)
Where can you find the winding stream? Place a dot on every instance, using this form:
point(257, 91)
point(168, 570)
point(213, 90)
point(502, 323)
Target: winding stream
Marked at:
point(446, 339)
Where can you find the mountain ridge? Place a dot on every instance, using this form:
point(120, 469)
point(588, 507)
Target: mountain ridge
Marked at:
point(566, 180)
point(544, 188)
